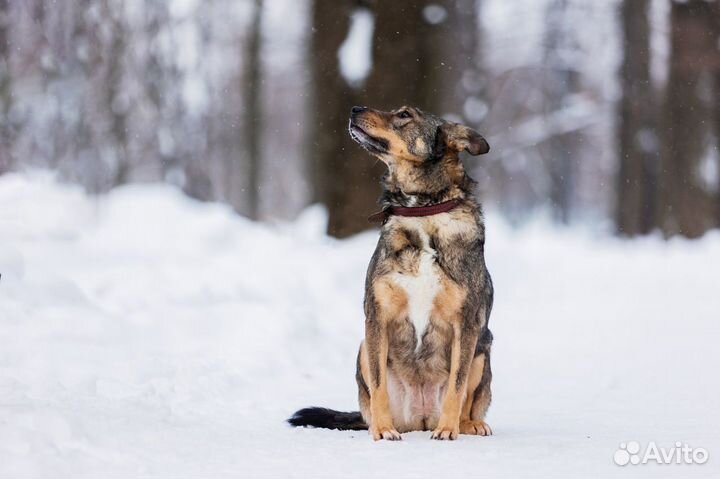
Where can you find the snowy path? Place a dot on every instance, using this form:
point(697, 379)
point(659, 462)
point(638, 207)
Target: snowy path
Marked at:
point(145, 335)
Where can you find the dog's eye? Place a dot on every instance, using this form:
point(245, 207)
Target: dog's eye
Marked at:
point(404, 114)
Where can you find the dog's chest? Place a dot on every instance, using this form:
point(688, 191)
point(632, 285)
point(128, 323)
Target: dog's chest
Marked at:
point(421, 282)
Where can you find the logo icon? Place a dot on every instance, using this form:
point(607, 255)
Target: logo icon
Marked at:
point(627, 453)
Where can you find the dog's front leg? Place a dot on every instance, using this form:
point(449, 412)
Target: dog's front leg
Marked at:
point(383, 305)
point(376, 342)
point(461, 354)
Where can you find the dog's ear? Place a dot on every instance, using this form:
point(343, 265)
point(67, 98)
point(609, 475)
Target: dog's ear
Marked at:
point(461, 138)
point(439, 147)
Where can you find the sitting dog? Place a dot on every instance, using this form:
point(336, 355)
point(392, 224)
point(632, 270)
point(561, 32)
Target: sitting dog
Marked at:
point(425, 362)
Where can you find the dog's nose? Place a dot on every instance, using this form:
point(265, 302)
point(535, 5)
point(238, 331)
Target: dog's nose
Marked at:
point(358, 109)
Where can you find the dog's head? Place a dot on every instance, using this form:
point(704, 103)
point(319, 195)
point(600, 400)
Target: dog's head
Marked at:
point(420, 150)
point(411, 136)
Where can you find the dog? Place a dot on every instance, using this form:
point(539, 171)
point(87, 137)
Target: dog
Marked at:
point(424, 364)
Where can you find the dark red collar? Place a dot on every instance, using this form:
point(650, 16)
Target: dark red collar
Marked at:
point(387, 212)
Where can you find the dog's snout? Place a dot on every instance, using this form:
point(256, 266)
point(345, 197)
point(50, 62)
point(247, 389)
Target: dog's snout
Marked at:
point(358, 109)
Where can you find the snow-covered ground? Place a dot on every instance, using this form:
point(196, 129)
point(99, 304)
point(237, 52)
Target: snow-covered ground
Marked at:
point(146, 335)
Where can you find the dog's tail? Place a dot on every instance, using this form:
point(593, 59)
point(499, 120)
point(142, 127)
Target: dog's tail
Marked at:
point(328, 419)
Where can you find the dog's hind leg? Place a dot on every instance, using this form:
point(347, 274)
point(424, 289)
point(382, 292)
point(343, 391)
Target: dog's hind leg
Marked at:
point(361, 374)
point(477, 401)
point(474, 377)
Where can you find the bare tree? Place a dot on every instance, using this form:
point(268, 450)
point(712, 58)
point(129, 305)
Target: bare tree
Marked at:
point(329, 147)
point(686, 206)
point(398, 78)
point(561, 81)
point(5, 88)
point(399, 75)
point(160, 91)
point(715, 62)
point(115, 99)
point(638, 145)
point(252, 121)
point(450, 56)
point(78, 141)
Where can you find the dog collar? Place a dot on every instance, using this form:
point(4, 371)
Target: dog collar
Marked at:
point(415, 211)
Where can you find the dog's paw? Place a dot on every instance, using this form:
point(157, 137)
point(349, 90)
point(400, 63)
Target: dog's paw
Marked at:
point(475, 428)
point(385, 432)
point(445, 433)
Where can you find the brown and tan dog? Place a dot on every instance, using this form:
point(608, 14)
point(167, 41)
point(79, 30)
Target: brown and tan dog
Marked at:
point(425, 361)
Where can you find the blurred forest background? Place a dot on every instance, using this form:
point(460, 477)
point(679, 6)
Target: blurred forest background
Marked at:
point(603, 111)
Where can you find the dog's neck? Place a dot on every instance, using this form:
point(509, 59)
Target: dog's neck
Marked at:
point(432, 184)
point(397, 197)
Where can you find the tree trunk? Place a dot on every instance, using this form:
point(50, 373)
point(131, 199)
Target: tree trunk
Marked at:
point(346, 177)
point(399, 72)
point(5, 89)
point(716, 103)
point(329, 147)
point(449, 42)
point(561, 81)
point(252, 121)
point(638, 145)
point(118, 110)
point(396, 79)
point(685, 204)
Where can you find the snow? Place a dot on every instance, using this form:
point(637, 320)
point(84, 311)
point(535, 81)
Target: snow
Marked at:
point(434, 14)
point(147, 335)
point(355, 53)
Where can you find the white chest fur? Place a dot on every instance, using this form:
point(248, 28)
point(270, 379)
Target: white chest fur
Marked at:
point(421, 287)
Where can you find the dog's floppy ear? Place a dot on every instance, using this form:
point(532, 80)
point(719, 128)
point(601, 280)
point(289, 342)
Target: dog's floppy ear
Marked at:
point(462, 138)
